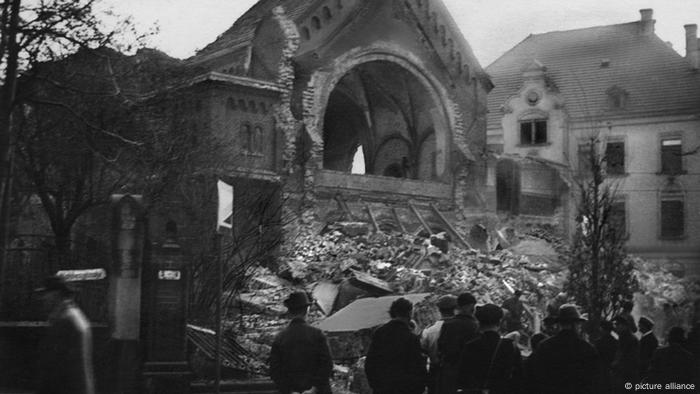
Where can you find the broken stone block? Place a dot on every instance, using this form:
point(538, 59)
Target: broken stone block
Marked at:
point(369, 283)
point(440, 241)
point(325, 294)
point(353, 229)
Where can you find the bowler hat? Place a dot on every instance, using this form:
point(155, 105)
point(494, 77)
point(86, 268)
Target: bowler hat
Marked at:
point(297, 300)
point(56, 283)
point(447, 301)
point(488, 314)
point(568, 313)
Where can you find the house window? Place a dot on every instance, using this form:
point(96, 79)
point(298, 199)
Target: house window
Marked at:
point(671, 156)
point(533, 132)
point(618, 217)
point(672, 215)
point(617, 98)
point(615, 157)
point(584, 159)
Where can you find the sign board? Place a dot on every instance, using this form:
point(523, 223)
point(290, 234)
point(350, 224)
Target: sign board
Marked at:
point(81, 275)
point(169, 274)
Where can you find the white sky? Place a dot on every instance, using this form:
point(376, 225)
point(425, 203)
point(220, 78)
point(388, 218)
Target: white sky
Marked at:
point(490, 26)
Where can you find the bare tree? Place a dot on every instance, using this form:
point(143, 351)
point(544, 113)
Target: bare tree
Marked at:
point(600, 275)
point(34, 31)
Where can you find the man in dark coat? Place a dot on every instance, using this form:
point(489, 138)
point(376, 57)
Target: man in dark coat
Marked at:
point(673, 363)
point(429, 338)
point(454, 334)
point(395, 363)
point(625, 366)
point(489, 362)
point(565, 363)
point(300, 361)
point(606, 346)
point(65, 365)
point(647, 345)
point(515, 308)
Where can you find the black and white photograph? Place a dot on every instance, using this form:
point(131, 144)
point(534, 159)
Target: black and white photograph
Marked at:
point(349, 196)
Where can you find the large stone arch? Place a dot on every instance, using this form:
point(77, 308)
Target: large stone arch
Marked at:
point(323, 82)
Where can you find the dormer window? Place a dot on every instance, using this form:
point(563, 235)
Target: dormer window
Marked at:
point(533, 127)
point(533, 132)
point(617, 98)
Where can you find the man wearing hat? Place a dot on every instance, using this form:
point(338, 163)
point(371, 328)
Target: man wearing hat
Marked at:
point(625, 366)
point(395, 363)
point(565, 363)
point(429, 338)
point(489, 363)
point(647, 344)
point(300, 361)
point(65, 359)
point(454, 334)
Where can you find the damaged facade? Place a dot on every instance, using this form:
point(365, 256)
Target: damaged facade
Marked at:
point(625, 86)
point(347, 103)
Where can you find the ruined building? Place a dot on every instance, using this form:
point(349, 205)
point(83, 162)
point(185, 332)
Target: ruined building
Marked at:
point(349, 106)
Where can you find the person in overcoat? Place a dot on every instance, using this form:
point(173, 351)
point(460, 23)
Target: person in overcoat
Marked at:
point(300, 360)
point(565, 363)
point(395, 363)
point(489, 362)
point(625, 366)
point(606, 346)
point(672, 363)
point(454, 334)
point(429, 338)
point(647, 344)
point(65, 360)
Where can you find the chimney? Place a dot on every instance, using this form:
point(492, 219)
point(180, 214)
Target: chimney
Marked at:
point(647, 23)
point(692, 53)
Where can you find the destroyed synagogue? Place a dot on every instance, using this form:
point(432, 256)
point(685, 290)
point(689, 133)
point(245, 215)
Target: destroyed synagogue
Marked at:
point(352, 135)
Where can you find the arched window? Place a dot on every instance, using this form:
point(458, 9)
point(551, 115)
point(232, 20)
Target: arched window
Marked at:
point(231, 103)
point(306, 33)
point(257, 140)
point(246, 137)
point(327, 13)
point(316, 23)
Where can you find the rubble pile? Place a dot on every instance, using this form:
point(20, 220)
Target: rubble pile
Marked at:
point(347, 261)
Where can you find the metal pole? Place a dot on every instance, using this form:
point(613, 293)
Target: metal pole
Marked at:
point(219, 295)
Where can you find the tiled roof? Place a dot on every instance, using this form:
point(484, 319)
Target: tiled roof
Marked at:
point(658, 80)
point(243, 30)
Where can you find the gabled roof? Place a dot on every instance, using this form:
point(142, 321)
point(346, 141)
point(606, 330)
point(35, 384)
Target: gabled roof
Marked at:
point(242, 32)
point(658, 80)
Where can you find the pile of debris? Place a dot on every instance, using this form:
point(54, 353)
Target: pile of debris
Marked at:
point(348, 263)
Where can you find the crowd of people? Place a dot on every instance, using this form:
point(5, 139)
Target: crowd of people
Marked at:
point(470, 351)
